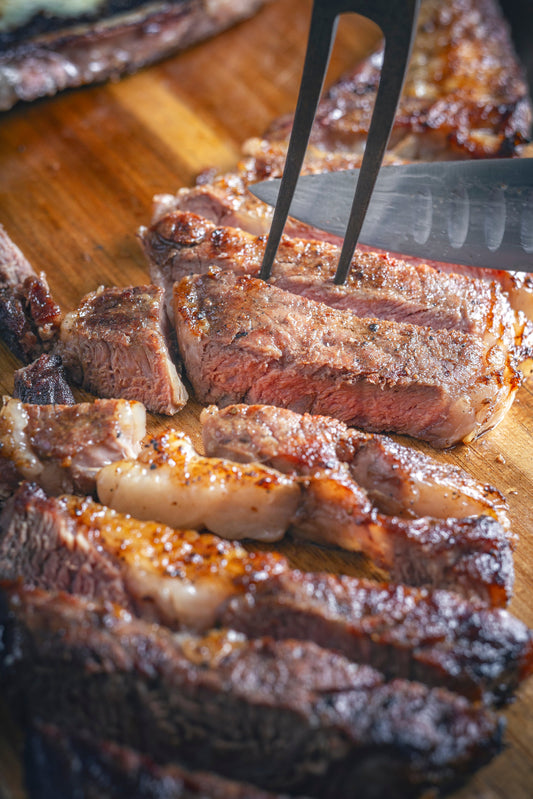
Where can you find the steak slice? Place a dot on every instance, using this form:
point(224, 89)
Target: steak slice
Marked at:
point(29, 317)
point(283, 714)
point(43, 382)
point(378, 285)
point(115, 345)
point(191, 581)
point(465, 94)
point(73, 766)
point(62, 447)
point(244, 340)
point(170, 483)
point(400, 480)
point(123, 37)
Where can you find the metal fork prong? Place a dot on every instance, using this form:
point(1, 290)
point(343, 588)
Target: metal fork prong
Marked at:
point(321, 36)
point(399, 35)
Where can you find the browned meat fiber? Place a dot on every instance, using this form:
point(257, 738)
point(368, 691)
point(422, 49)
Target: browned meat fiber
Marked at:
point(29, 317)
point(465, 93)
point(281, 714)
point(116, 344)
point(62, 447)
point(43, 382)
point(378, 285)
point(76, 766)
point(244, 340)
point(191, 581)
point(47, 55)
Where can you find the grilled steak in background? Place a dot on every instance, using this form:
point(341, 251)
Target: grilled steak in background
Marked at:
point(283, 715)
point(41, 54)
point(191, 581)
point(465, 94)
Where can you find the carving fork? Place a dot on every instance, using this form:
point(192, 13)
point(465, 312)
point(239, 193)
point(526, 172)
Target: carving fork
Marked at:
point(397, 20)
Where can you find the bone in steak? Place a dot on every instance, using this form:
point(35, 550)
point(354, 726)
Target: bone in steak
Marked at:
point(62, 447)
point(282, 714)
point(69, 767)
point(43, 382)
point(29, 317)
point(115, 344)
point(192, 581)
point(45, 53)
point(465, 93)
point(378, 285)
point(170, 483)
point(244, 340)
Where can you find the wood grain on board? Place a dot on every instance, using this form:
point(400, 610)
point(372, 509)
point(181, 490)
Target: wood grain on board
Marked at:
point(77, 176)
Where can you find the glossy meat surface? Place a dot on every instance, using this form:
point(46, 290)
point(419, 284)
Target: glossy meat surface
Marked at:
point(244, 340)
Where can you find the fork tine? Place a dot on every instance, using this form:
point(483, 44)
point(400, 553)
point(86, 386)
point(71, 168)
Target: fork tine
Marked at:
point(397, 21)
point(321, 35)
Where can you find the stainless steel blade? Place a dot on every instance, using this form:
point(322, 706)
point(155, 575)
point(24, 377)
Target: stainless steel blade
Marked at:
point(478, 213)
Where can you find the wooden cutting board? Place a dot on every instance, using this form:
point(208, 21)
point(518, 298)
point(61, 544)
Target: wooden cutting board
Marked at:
point(77, 176)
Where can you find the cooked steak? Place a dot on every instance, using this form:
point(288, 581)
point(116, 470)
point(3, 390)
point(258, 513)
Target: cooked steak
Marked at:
point(399, 479)
point(29, 317)
point(170, 483)
point(242, 339)
point(47, 47)
point(283, 714)
point(62, 447)
point(191, 581)
point(70, 767)
point(465, 94)
point(115, 344)
point(378, 285)
point(43, 382)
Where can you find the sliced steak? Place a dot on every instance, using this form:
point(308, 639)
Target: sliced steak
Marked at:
point(170, 483)
point(192, 581)
point(287, 715)
point(399, 479)
point(378, 285)
point(43, 382)
point(69, 767)
point(124, 37)
point(116, 344)
point(244, 340)
point(465, 93)
point(29, 317)
point(62, 447)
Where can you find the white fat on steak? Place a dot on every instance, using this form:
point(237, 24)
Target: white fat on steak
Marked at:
point(172, 483)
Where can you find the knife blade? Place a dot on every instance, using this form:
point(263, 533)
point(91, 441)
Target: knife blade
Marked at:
point(478, 213)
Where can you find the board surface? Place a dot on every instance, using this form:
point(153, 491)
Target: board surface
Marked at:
point(77, 177)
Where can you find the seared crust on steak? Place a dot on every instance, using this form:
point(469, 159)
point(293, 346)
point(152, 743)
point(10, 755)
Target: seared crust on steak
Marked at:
point(29, 317)
point(277, 713)
point(244, 340)
point(378, 285)
point(116, 344)
point(191, 581)
point(465, 93)
point(120, 43)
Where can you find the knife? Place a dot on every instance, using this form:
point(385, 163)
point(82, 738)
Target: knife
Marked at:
point(478, 213)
